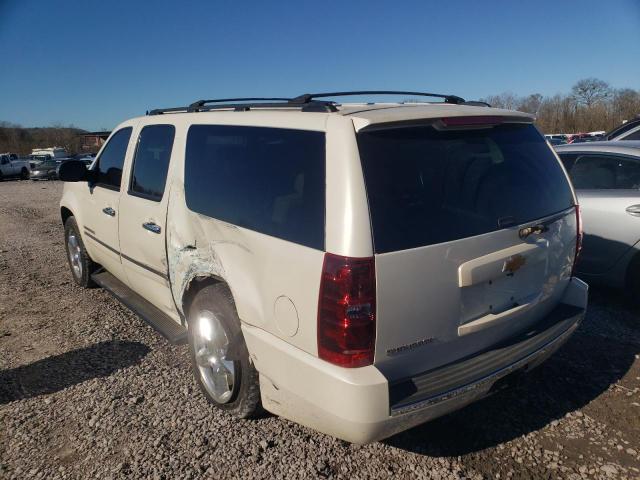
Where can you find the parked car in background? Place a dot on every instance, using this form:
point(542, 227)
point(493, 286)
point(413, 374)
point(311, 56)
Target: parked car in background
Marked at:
point(582, 137)
point(606, 177)
point(627, 131)
point(556, 141)
point(357, 268)
point(47, 170)
point(13, 167)
point(585, 139)
point(39, 155)
point(557, 136)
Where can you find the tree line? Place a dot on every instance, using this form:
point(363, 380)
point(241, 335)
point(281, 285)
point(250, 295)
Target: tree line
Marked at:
point(591, 105)
point(20, 140)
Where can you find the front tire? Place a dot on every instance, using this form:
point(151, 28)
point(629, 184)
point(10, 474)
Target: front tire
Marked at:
point(24, 174)
point(219, 354)
point(80, 263)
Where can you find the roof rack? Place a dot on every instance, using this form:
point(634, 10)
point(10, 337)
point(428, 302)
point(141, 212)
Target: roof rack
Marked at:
point(307, 97)
point(195, 106)
point(246, 104)
point(307, 102)
point(476, 103)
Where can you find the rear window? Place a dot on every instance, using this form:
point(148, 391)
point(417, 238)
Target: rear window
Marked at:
point(427, 186)
point(270, 180)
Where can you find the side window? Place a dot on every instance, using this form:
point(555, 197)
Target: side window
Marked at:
point(605, 172)
point(568, 159)
point(270, 180)
point(151, 161)
point(632, 136)
point(110, 162)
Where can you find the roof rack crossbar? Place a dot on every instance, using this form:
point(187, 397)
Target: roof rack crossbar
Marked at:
point(307, 97)
point(201, 103)
point(159, 111)
point(243, 107)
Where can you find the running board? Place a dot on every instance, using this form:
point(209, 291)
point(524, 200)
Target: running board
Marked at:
point(162, 323)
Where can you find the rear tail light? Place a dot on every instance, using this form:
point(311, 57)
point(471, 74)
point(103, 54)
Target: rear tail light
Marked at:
point(347, 311)
point(578, 239)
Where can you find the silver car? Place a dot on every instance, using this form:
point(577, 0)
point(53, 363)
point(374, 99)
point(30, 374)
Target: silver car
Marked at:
point(606, 176)
point(628, 131)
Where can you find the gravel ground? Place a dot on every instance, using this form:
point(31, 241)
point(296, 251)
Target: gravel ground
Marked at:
point(88, 390)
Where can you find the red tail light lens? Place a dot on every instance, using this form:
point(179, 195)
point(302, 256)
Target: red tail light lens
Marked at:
point(578, 239)
point(347, 311)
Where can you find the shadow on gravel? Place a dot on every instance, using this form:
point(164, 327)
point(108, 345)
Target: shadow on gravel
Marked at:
point(61, 371)
point(579, 372)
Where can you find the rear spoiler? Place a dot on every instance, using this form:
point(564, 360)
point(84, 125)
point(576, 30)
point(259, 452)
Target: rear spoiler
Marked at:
point(454, 122)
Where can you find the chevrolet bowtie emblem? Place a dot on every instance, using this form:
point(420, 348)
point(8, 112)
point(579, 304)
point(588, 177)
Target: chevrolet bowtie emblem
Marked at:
point(513, 264)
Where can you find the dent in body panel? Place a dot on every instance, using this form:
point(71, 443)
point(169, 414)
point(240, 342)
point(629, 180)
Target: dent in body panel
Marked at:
point(199, 246)
point(189, 253)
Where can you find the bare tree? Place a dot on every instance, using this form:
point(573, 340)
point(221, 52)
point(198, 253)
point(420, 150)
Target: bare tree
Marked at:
point(625, 105)
point(531, 103)
point(506, 100)
point(590, 91)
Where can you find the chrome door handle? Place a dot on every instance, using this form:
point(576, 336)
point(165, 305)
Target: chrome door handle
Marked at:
point(633, 210)
point(152, 227)
point(109, 211)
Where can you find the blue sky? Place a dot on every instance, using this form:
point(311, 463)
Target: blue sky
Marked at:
point(95, 63)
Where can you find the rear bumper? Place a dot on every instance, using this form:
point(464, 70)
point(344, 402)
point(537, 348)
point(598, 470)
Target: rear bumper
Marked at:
point(360, 405)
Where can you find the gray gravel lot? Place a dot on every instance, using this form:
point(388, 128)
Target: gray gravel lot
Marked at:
point(88, 390)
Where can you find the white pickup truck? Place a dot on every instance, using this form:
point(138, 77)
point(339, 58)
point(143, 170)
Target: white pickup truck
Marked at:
point(12, 167)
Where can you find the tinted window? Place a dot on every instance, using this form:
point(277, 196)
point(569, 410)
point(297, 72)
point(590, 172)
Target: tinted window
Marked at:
point(568, 159)
point(270, 180)
point(605, 172)
point(427, 186)
point(616, 132)
point(632, 136)
point(152, 161)
point(109, 164)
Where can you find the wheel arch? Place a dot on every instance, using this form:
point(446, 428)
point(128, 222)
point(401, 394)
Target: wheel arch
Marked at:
point(65, 213)
point(197, 283)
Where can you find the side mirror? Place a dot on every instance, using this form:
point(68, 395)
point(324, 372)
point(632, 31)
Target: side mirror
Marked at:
point(73, 171)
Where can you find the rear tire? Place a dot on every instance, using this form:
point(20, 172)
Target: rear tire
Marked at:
point(24, 174)
point(80, 263)
point(219, 355)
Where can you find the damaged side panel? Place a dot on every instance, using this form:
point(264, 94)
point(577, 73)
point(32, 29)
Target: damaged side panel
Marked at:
point(256, 267)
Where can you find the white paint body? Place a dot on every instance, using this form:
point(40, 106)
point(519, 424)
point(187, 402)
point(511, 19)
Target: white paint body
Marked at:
point(53, 152)
point(9, 167)
point(427, 292)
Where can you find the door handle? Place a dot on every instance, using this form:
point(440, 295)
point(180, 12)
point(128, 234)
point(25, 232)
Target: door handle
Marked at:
point(152, 227)
point(633, 210)
point(109, 211)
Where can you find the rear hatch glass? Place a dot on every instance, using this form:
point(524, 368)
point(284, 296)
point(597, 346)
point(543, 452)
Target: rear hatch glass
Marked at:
point(427, 186)
point(453, 276)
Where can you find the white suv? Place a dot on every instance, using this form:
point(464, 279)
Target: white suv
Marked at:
point(356, 268)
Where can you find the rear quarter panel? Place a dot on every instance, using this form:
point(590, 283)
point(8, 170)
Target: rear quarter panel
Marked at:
point(261, 271)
